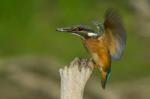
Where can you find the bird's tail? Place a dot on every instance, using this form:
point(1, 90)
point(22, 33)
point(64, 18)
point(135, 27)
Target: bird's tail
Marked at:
point(105, 77)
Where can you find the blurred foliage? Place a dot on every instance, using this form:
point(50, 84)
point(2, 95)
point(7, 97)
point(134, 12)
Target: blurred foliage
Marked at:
point(27, 27)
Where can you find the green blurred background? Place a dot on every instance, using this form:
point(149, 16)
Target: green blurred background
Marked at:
point(31, 51)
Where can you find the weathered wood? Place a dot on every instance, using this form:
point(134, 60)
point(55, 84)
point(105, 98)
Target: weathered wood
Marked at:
point(74, 78)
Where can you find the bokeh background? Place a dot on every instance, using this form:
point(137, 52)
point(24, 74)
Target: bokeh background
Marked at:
point(31, 51)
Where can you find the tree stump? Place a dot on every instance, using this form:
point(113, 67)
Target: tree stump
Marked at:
point(74, 78)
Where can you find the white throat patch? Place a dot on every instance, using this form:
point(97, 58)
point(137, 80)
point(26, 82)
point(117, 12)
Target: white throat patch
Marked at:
point(92, 34)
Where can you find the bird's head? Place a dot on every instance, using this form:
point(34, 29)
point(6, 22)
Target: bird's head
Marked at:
point(80, 31)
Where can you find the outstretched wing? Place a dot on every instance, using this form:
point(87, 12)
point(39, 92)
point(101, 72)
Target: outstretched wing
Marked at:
point(114, 33)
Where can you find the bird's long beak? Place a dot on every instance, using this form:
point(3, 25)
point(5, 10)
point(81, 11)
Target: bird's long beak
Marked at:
point(73, 30)
point(66, 29)
point(76, 30)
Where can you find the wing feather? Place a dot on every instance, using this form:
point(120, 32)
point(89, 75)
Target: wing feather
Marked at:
point(115, 33)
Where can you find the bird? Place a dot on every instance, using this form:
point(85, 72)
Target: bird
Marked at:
point(105, 44)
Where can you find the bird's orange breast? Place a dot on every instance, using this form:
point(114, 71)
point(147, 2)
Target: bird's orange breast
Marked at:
point(99, 51)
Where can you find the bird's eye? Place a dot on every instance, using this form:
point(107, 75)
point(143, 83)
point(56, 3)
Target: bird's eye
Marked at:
point(79, 29)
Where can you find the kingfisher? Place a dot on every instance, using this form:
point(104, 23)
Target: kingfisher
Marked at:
point(104, 45)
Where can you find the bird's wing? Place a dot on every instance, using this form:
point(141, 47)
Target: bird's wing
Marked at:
point(114, 33)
